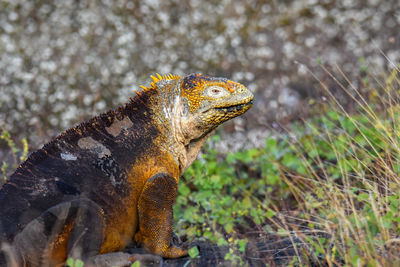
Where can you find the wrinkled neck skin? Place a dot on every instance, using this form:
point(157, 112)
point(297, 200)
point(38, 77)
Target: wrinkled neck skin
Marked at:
point(184, 136)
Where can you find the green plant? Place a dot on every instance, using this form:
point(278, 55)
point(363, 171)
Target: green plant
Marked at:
point(74, 262)
point(338, 172)
point(18, 155)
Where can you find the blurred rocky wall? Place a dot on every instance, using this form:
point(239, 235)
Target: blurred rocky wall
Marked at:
point(62, 61)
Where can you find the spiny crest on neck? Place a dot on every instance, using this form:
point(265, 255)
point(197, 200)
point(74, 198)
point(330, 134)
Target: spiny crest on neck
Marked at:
point(157, 78)
point(158, 83)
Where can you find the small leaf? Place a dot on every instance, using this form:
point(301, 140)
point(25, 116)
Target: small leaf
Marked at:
point(230, 158)
point(184, 190)
point(70, 262)
point(270, 213)
point(79, 263)
point(221, 241)
point(228, 227)
point(242, 245)
point(362, 196)
point(193, 252)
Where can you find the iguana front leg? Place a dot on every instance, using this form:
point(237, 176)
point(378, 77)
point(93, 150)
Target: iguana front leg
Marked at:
point(156, 217)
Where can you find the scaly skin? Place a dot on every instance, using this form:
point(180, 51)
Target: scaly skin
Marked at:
point(113, 179)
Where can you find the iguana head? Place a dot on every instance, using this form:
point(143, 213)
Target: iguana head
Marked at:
point(193, 106)
point(210, 101)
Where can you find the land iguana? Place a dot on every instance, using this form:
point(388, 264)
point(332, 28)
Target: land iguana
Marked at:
point(113, 179)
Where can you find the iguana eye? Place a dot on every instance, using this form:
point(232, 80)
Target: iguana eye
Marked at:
point(215, 91)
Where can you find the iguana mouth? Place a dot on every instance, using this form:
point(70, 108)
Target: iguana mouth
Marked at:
point(235, 108)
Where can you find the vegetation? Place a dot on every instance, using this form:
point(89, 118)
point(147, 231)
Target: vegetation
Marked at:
point(331, 181)
point(17, 154)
